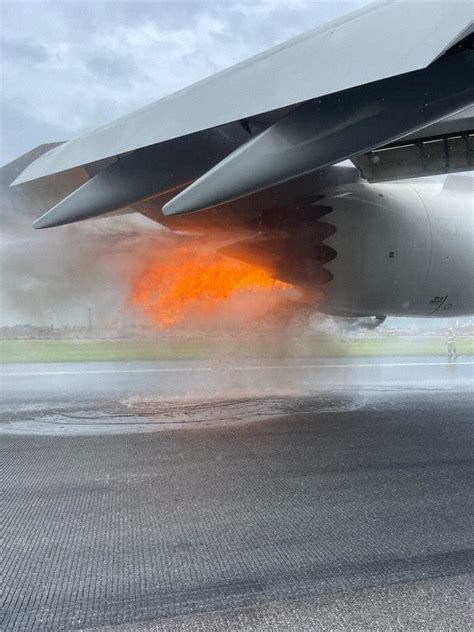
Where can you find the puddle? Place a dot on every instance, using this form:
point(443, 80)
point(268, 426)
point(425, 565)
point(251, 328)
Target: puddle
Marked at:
point(138, 415)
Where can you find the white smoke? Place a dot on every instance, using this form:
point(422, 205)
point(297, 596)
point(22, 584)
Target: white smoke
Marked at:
point(55, 276)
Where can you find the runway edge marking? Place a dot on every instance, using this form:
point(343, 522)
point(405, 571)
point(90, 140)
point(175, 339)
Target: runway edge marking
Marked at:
point(298, 367)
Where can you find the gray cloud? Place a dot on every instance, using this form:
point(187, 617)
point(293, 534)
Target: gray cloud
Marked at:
point(71, 65)
point(115, 69)
point(21, 50)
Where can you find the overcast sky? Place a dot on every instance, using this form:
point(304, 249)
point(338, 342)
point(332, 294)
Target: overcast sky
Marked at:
point(68, 66)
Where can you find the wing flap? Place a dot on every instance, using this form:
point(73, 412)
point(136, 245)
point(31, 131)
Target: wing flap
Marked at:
point(447, 147)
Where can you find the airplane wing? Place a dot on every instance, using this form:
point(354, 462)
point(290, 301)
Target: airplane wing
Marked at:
point(350, 89)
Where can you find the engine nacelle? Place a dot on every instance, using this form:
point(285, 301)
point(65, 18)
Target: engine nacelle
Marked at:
point(403, 249)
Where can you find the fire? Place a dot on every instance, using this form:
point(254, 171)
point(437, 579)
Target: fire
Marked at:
point(192, 281)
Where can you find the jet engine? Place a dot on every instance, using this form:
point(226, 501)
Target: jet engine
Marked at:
point(401, 249)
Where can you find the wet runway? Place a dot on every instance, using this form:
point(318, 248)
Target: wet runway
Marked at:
point(25, 382)
point(185, 494)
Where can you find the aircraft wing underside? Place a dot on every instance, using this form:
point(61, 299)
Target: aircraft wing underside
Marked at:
point(397, 106)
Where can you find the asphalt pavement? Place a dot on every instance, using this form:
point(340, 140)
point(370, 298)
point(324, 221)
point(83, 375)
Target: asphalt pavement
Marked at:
point(275, 495)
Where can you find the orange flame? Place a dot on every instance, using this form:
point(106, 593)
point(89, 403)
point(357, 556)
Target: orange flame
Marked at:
point(194, 281)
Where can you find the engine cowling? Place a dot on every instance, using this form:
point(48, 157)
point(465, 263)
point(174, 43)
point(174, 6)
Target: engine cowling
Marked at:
point(402, 249)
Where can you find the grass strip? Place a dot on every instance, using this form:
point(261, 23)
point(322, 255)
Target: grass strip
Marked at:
point(206, 349)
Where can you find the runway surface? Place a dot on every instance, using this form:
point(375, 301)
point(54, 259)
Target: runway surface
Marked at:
point(116, 397)
point(303, 495)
